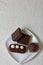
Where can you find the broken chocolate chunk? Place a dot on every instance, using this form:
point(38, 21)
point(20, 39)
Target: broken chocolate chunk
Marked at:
point(17, 35)
point(17, 48)
point(24, 39)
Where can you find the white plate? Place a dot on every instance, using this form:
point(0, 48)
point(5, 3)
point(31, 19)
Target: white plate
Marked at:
point(23, 58)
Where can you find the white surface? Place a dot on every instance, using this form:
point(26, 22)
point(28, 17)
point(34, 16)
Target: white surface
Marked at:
point(14, 13)
point(26, 57)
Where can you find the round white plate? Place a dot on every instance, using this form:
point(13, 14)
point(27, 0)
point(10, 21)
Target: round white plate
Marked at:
point(23, 58)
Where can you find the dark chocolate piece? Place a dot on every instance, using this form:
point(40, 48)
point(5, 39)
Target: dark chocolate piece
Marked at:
point(17, 48)
point(33, 47)
point(17, 35)
point(24, 39)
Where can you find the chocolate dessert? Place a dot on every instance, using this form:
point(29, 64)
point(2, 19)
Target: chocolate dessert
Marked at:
point(20, 37)
point(17, 35)
point(17, 48)
point(24, 39)
point(33, 47)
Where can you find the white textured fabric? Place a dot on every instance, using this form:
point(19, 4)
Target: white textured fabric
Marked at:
point(19, 13)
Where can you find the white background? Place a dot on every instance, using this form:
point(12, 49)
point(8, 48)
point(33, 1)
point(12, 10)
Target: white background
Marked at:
point(19, 13)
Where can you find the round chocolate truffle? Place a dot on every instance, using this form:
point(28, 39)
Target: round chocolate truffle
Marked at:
point(33, 47)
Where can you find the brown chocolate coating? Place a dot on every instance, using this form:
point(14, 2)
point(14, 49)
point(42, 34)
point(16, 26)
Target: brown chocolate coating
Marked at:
point(24, 39)
point(16, 35)
point(33, 47)
point(17, 50)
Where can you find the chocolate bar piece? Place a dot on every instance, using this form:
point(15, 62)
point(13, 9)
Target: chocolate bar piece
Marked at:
point(24, 39)
point(33, 47)
point(16, 35)
point(17, 48)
